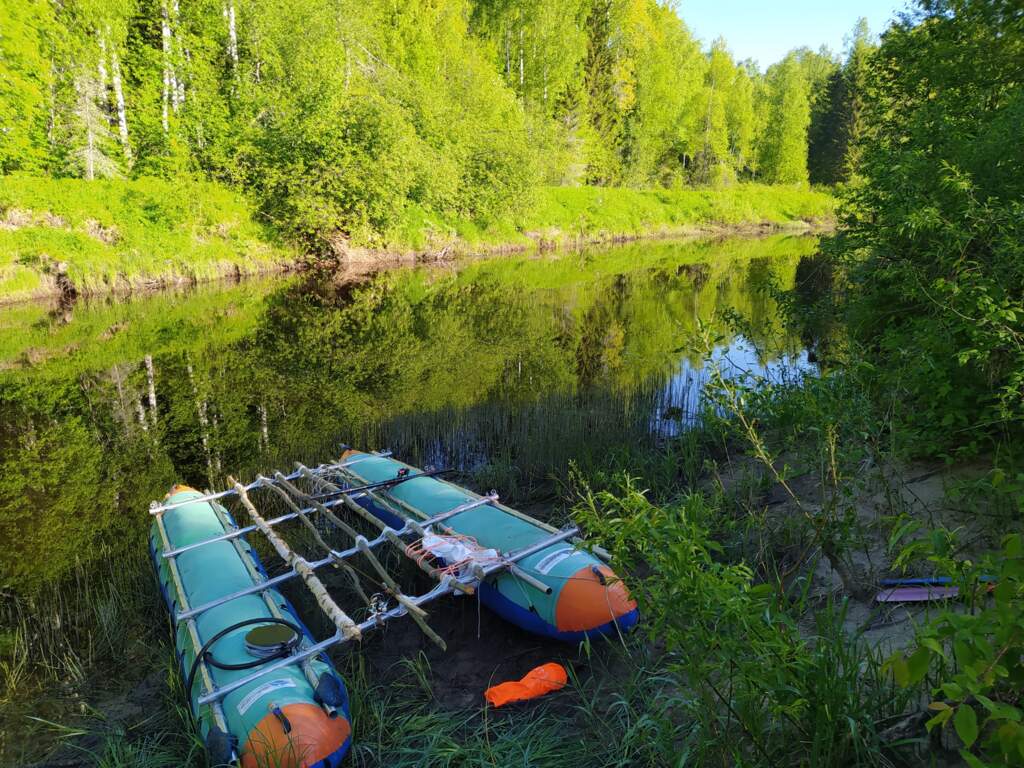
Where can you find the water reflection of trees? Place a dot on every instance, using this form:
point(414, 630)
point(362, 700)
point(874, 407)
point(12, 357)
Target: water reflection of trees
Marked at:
point(523, 361)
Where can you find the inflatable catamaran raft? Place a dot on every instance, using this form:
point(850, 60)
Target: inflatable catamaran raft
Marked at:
point(260, 685)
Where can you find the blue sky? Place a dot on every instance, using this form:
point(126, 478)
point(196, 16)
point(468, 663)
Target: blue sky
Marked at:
point(765, 30)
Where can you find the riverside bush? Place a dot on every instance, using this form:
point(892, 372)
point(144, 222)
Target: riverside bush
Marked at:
point(934, 225)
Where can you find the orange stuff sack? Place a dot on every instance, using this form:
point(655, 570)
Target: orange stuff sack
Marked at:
point(538, 681)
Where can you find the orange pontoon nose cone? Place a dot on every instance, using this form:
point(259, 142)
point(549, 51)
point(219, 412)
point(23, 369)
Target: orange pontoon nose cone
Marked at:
point(313, 736)
point(586, 603)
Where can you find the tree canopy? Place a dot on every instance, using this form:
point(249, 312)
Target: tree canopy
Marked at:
point(338, 116)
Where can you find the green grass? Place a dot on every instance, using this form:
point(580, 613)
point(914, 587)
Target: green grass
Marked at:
point(118, 233)
point(565, 214)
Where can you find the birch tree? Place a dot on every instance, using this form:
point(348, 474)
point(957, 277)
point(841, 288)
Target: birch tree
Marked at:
point(229, 18)
point(712, 160)
point(741, 120)
point(119, 103)
point(95, 138)
point(783, 147)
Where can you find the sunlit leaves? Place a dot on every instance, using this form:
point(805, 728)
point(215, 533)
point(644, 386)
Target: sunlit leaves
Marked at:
point(933, 231)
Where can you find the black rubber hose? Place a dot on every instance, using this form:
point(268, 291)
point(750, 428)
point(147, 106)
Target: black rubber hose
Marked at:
point(204, 652)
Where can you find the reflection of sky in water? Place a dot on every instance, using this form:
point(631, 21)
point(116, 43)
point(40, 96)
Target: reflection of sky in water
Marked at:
point(472, 438)
point(681, 399)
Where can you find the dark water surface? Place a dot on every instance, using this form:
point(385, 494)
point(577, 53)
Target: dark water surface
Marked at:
point(507, 369)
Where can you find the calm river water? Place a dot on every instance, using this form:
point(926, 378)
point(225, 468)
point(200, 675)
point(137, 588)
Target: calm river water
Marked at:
point(507, 369)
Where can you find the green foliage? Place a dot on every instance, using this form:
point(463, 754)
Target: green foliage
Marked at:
point(25, 78)
point(974, 659)
point(536, 44)
point(760, 693)
point(341, 151)
point(933, 228)
point(838, 112)
point(741, 118)
point(345, 120)
point(116, 234)
point(712, 161)
point(783, 146)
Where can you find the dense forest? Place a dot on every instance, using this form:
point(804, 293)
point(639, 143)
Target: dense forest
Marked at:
point(339, 116)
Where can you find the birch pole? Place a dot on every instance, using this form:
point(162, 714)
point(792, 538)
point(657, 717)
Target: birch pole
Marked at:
point(341, 620)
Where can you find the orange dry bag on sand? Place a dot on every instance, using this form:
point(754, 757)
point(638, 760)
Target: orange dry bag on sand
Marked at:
point(538, 681)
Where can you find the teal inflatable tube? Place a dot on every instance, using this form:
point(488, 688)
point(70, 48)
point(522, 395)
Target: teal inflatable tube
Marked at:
point(293, 717)
point(581, 597)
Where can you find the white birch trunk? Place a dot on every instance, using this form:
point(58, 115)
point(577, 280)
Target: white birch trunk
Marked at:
point(170, 86)
point(151, 384)
point(522, 62)
point(508, 52)
point(141, 413)
point(204, 421)
point(181, 55)
point(229, 16)
point(216, 456)
point(123, 412)
point(264, 430)
point(102, 67)
point(122, 112)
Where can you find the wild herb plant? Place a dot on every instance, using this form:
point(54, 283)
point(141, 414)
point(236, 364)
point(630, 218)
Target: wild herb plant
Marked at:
point(758, 690)
point(972, 656)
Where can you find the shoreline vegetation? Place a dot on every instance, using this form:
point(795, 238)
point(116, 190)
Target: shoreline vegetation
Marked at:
point(69, 237)
point(244, 139)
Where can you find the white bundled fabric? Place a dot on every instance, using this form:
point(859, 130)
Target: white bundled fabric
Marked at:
point(457, 551)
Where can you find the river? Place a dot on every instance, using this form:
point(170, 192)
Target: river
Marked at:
point(506, 369)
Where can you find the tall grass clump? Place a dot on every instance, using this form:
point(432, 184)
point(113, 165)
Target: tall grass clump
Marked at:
point(70, 644)
point(624, 712)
